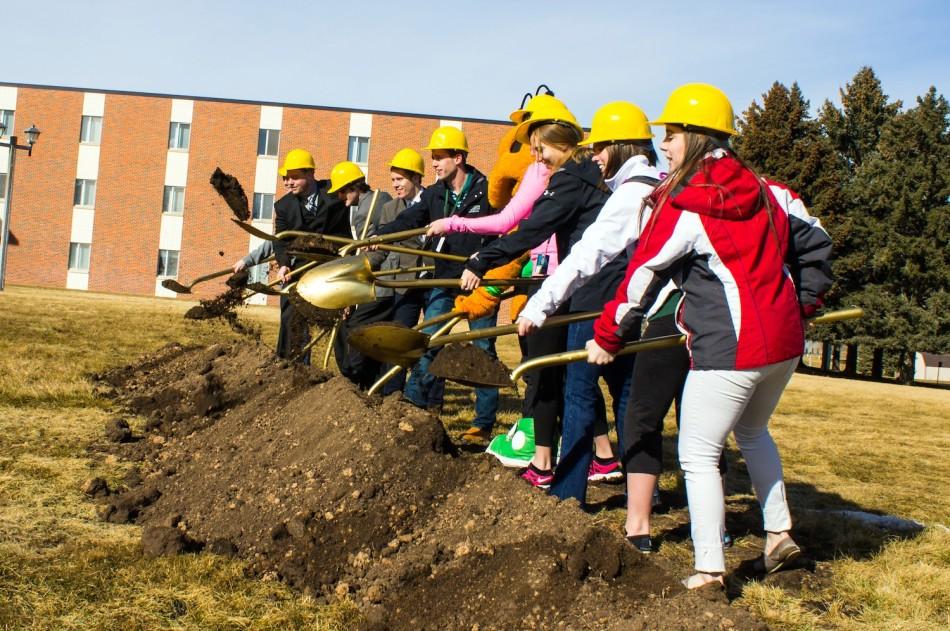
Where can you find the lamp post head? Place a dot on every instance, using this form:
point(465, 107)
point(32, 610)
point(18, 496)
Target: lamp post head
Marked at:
point(32, 133)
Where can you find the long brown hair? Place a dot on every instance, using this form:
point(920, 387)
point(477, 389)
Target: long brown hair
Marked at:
point(620, 151)
point(699, 143)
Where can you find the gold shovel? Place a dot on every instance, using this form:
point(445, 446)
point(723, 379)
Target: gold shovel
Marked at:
point(380, 242)
point(351, 281)
point(668, 341)
point(178, 288)
point(402, 346)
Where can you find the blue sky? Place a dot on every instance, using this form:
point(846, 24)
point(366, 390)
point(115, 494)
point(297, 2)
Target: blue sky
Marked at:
point(474, 59)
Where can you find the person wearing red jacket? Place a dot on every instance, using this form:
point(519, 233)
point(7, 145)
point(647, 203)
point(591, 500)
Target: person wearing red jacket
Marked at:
point(751, 263)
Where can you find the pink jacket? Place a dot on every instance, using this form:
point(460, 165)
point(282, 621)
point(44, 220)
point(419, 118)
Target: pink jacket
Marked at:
point(533, 183)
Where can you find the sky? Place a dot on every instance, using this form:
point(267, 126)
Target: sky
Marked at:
point(468, 59)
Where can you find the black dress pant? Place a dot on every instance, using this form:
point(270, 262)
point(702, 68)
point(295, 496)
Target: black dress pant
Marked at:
point(658, 379)
point(354, 365)
point(293, 335)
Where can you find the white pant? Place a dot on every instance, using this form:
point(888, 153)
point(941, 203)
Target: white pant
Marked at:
point(716, 402)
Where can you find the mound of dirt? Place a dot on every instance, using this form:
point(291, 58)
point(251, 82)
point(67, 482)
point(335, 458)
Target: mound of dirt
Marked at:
point(345, 496)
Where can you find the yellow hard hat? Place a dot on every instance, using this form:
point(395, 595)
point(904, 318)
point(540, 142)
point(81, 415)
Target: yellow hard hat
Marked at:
point(344, 173)
point(297, 159)
point(448, 137)
point(553, 111)
point(535, 102)
point(699, 105)
point(410, 160)
point(618, 121)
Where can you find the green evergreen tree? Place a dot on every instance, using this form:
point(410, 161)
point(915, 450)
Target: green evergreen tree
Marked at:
point(901, 219)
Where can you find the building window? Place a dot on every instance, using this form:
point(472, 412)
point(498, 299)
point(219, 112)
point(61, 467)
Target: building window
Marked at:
point(258, 273)
point(167, 263)
point(174, 200)
point(263, 206)
point(3, 187)
point(91, 130)
point(85, 193)
point(79, 257)
point(6, 117)
point(179, 135)
point(267, 142)
point(359, 149)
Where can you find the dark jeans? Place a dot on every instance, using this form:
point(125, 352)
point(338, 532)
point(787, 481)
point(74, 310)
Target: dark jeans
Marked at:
point(583, 406)
point(293, 335)
point(407, 307)
point(658, 378)
point(423, 390)
point(354, 365)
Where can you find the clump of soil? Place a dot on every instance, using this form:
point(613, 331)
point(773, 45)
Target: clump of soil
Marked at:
point(469, 365)
point(313, 245)
point(224, 304)
point(312, 314)
point(233, 193)
point(345, 496)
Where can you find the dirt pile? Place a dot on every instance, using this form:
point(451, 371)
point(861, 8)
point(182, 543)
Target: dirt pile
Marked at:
point(230, 189)
point(345, 496)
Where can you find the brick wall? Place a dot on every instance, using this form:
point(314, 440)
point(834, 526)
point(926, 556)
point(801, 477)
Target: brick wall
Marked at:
point(42, 209)
point(129, 193)
point(130, 185)
point(222, 135)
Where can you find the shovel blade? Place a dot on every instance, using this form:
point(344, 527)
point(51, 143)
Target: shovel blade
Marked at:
point(338, 284)
point(389, 342)
point(175, 286)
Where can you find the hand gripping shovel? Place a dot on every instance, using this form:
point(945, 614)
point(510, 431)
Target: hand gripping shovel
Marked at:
point(669, 341)
point(351, 281)
point(381, 242)
point(178, 288)
point(399, 345)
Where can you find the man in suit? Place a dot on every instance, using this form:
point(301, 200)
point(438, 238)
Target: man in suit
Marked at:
point(308, 207)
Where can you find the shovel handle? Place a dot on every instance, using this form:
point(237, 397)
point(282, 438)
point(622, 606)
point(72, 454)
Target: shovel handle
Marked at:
point(506, 329)
point(668, 341)
point(260, 234)
point(428, 283)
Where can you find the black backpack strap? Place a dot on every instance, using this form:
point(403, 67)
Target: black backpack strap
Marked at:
point(643, 179)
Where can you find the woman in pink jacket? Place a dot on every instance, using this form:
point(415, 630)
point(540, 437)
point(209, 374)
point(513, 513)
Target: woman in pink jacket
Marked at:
point(751, 263)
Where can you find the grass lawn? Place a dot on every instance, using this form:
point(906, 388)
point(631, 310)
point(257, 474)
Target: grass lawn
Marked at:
point(845, 444)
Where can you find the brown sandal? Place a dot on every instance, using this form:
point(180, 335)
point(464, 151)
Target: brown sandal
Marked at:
point(784, 553)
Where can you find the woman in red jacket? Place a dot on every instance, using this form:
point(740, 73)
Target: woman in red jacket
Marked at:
point(750, 262)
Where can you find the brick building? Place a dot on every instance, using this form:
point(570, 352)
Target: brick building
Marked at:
point(116, 198)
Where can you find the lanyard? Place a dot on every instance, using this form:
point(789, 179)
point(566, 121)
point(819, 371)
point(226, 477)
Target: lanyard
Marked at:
point(458, 198)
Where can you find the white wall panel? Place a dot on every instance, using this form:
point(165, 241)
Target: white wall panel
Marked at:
point(449, 123)
point(87, 166)
point(181, 110)
point(81, 231)
point(265, 175)
point(361, 124)
point(77, 280)
point(93, 104)
point(170, 236)
point(161, 292)
point(176, 168)
point(4, 159)
point(272, 117)
point(8, 97)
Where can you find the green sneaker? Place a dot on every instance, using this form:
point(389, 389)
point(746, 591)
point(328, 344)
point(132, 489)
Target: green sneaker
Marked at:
point(516, 448)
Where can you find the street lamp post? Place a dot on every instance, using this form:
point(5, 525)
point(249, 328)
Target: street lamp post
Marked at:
point(31, 135)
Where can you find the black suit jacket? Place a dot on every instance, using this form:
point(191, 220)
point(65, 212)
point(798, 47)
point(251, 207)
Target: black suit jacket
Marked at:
point(290, 214)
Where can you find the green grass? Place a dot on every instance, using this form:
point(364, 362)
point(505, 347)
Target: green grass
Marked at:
point(845, 444)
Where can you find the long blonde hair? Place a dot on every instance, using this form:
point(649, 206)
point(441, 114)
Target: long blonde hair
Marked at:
point(562, 137)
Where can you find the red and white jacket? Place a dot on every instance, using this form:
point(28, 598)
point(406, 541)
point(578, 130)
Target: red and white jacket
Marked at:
point(747, 281)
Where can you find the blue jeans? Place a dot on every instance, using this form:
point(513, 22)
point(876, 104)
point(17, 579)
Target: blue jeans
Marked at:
point(583, 405)
point(423, 390)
